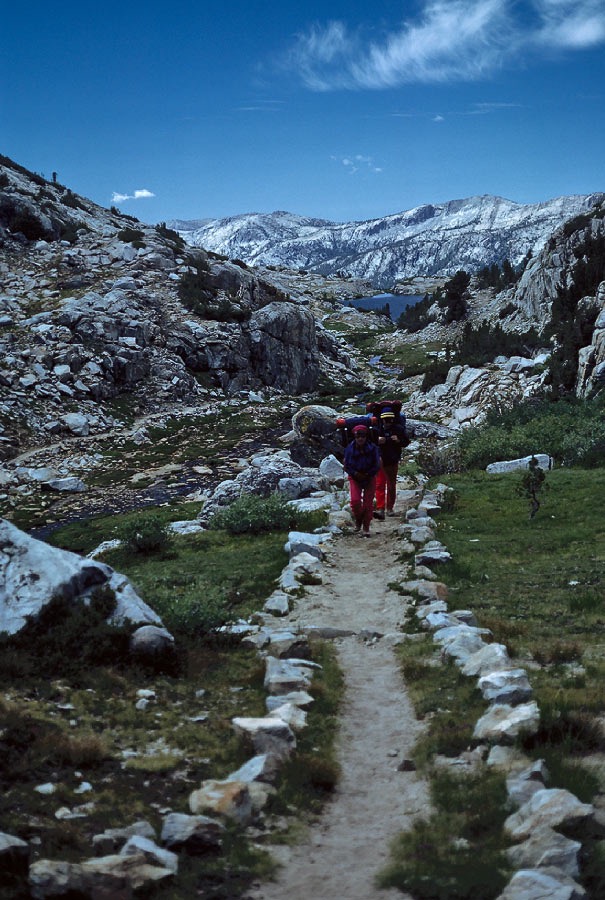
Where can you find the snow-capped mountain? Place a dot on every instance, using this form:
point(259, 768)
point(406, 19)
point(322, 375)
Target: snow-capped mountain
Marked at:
point(428, 240)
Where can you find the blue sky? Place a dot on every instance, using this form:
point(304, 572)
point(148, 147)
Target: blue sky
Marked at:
point(342, 110)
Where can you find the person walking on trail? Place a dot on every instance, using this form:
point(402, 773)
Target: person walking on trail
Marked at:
point(391, 439)
point(362, 463)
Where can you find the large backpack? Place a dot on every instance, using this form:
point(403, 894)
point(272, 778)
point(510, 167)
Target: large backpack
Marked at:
point(346, 424)
point(376, 407)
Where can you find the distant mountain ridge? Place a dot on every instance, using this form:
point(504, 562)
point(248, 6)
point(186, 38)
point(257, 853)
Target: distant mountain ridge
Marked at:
point(433, 239)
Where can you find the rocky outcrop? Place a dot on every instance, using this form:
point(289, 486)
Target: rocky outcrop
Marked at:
point(591, 363)
point(532, 297)
point(278, 347)
point(468, 392)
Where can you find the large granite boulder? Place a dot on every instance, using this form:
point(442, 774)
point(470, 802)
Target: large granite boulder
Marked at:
point(314, 435)
point(32, 573)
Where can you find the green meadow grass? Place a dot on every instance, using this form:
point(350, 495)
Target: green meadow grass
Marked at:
point(539, 585)
point(415, 359)
point(57, 718)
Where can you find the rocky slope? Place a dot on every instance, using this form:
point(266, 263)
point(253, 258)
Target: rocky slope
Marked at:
point(91, 310)
point(428, 240)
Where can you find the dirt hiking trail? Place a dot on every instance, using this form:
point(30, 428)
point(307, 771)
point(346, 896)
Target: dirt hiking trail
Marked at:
point(374, 800)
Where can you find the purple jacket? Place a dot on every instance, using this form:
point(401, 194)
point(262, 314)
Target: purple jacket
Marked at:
point(362, 459)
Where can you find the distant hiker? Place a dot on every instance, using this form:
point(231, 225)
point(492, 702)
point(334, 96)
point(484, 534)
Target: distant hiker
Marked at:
point(361, 463)
point(392, 437)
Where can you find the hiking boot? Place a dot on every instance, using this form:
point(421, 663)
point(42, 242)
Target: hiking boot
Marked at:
point(390, 512)
point(379, 514)
point(366, 532)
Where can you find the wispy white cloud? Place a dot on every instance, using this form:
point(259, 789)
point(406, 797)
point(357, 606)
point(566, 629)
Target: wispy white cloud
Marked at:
point(476, 109)
point(451, 40)
point(354, 163)
point(572, 24)
point(141, 194)
point(483, 109)
point(262, 106)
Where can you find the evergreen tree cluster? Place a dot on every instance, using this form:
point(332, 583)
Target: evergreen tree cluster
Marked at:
point(415, 318)
point(452, 299)
point(454, 302)
point(500, 276)
point(480, 344)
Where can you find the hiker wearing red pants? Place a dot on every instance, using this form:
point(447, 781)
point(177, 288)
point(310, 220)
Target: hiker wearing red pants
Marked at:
point(361, 463)
point(391, 438)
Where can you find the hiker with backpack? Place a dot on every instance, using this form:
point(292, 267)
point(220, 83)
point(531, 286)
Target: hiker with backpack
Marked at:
point(391, 437)
point(362, 463)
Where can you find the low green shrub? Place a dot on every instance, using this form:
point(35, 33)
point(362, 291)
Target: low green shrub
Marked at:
point(193, 610)
point(170, 234)
point(130, 235)
point(70, 199)
point(251, 513)
point(439, 459)
point(145, 534)
point(572, 432)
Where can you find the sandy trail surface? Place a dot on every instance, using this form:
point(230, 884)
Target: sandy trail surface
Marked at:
point(341, 853)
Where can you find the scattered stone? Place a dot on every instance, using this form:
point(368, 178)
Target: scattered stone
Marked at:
point(291, 714)
point(489, 658)
point(282, 676)
point(505, 723)
point(509, 686)
point(277, 604)
point(111, 840)
point(554, 807)
point(542, 884)
point(264, 767)
point(195, 835)
point(152, 644)
point(229, 799)
point(298, 698)
point(107, 876)
point(267, 735)
point(546, 847)
point(522, 785)
point(507, 759)
point(299, 542)
point(517, 465)
point(137, 844)
point(427, 590)
point(68, 485)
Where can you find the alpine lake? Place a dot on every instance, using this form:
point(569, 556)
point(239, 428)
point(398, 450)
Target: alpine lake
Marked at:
point(397, 303)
